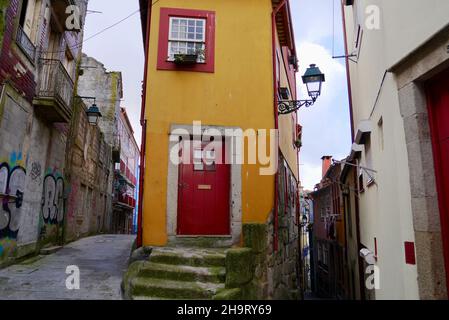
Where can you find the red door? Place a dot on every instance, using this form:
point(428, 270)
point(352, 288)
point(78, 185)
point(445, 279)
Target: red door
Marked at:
point(438, 106)
point(203, 191)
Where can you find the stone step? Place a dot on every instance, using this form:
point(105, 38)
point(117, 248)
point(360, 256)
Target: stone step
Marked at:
point(194, 258)
point(168, 289)
point(183, 273)
point(50, 250)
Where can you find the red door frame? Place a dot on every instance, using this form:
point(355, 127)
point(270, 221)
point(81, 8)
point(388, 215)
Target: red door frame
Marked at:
point(227, 186)
point(432, 87)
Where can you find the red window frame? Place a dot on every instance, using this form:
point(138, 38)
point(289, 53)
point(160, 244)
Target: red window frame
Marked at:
point(164, 26)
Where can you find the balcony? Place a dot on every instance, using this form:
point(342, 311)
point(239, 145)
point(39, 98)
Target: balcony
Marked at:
point(60, 15)
point(125, 201)
point(54, 92)
point(27, 46)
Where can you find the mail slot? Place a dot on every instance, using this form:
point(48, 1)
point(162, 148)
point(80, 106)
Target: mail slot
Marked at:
point(204, 187)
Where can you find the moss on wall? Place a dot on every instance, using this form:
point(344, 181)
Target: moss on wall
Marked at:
point(239, 267)
point(3, 6)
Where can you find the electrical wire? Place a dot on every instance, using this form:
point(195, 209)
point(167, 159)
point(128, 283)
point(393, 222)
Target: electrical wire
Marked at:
point(79, 45)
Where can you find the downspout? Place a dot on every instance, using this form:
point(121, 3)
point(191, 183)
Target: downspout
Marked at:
point(351, 114)
point(143, 123)
point(276, 120)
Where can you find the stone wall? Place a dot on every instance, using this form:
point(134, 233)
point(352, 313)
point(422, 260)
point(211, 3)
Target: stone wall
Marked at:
point(107, 88)
point(258, 272)
point(32, 155)
point(89, 179)
point(35, 189)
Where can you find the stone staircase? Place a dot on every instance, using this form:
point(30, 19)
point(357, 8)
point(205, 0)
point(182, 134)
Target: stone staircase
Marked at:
point(179, 273)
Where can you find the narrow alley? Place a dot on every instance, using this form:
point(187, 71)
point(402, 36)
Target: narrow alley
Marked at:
point(251, 150)
point(100, 259)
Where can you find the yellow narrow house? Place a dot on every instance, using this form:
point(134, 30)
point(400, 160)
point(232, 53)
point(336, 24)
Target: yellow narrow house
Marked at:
point(219, 180)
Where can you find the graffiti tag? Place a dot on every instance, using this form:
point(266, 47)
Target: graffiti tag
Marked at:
point(12, 188)
point(36, 171)
point(53, 200)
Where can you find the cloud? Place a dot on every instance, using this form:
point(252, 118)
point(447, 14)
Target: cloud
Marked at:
point(310, 175)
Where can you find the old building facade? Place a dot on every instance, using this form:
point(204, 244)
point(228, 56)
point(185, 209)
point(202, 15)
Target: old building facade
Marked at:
point(105, 88)
point(125, 178)
point(213, 200)
point(37, 73)
point(329, 238)
point(399, 101)
point(56, 168)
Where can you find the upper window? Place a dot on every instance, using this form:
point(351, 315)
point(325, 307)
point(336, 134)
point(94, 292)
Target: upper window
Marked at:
point(186, 40)
point(187, 36)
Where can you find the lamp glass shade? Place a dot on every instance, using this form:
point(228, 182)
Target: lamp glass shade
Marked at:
point(92, 119)
point(93, 114)
point(313, 79)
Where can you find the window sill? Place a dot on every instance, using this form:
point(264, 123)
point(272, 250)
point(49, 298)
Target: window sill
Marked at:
point(180, 64)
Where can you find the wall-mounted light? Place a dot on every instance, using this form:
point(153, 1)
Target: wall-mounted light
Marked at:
point(313, 79)
point(93, 113)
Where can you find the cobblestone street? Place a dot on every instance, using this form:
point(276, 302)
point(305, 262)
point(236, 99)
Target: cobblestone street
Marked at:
point(101, 260)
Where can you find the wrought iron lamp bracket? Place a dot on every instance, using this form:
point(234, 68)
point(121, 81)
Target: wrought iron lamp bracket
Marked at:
point(287, 107)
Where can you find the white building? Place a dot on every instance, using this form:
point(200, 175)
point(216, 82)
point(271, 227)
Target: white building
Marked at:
point(398, 72)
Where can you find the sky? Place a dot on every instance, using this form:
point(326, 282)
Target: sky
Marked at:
point(326, 125)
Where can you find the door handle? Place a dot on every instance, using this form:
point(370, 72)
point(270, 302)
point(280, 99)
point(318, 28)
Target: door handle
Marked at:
point(183, 185)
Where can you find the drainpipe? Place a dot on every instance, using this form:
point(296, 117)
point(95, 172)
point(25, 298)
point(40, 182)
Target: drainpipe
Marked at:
point(143, 123)
point(351, 113)
point(276, 119)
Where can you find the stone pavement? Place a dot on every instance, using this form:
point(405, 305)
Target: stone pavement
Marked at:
point(102, 260)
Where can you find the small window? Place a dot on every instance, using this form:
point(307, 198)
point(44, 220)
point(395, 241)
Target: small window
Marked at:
point(187, 36)
point(183, 33)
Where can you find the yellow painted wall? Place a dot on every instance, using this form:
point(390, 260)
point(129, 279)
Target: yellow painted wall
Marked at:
point(287, 125)
point(239, 93)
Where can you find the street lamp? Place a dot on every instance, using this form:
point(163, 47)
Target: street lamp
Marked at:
point(93, 115)
point(313, 79)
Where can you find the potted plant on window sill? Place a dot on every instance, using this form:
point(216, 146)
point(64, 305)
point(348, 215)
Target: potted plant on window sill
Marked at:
point(183, 59)
point(190, 58)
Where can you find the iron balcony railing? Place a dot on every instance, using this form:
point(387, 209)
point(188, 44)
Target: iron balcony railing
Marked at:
point(55, 83)
point(26, 44)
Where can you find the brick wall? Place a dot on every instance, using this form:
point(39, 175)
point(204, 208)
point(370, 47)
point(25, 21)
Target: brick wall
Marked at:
point(13, 68)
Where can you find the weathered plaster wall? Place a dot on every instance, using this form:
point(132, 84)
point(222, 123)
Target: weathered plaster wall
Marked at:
point(33, 188)
point(34, 199)
point(106, 87)
point(90, 184)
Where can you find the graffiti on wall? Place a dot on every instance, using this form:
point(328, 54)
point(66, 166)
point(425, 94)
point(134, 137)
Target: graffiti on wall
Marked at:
point(36, 172)
point(12, 188)
point(53, 200)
